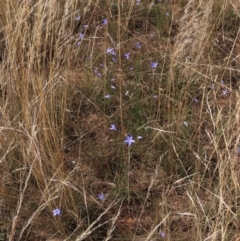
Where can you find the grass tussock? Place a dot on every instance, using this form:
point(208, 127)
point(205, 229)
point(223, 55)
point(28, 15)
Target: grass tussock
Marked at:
point(119, 120)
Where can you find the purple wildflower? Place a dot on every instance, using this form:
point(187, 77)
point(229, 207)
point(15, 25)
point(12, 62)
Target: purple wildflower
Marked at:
point(129, 140)
point(154, 65)
point(78, 18)
point(127, 55)
point(114, 59)
point(162, 234)
point(101, 197)
point(111, 51)
point(107, 96)
point(225, 92)
point(104, 21)
point(113, 87)
point(196, 100)
point(81, 36)
point(138, 2)
point(138, 45)
point(99, 75)
point(113, 128)
point(56, 212)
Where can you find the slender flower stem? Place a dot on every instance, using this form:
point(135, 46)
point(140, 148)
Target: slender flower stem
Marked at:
point(120, 63)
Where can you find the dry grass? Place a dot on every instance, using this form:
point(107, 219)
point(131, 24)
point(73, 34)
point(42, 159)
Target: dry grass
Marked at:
point(180, 181)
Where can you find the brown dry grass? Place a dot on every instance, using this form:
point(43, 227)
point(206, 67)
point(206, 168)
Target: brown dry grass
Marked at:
point(56, 149)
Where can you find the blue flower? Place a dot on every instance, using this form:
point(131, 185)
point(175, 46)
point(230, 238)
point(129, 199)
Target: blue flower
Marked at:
point(113, 128)
point(56, 212)
point(104, 21)
point(137, 45)
point(225, 92)
point(99, 75)
point(111, 51)
point(138, 2)
point(154, 65)
point(162, 234)
point(196, 100)
point(107, 96)
point(114, 59)
point(129, 140)
point(81, 35)
point(127, 55)
point(101, 197)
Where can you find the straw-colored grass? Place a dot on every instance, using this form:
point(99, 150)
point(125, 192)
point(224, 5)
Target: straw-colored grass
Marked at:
point(61, 90)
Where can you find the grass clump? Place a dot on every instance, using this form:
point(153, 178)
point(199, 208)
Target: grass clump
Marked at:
point(119, 120)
